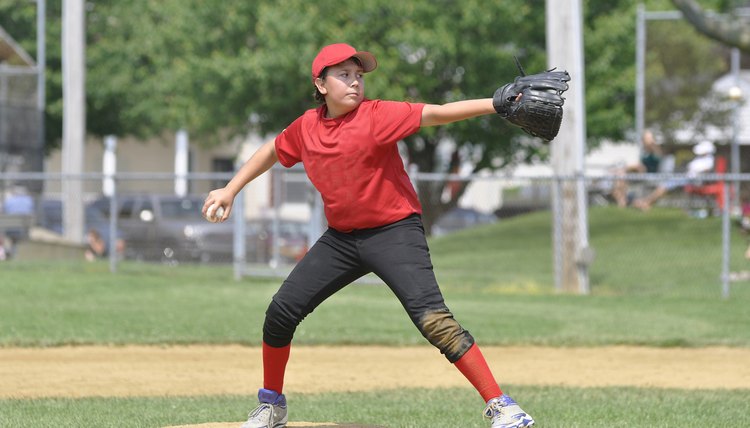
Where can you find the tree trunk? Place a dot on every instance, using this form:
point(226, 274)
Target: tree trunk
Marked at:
point(729, 29)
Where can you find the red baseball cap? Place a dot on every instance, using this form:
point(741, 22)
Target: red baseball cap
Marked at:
point(340, 52)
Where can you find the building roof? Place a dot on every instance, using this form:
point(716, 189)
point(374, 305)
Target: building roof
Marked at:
point(11, 53)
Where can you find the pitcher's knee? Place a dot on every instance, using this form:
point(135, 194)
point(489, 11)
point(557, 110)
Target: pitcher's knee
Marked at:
point(279, 325)
point(445, 333)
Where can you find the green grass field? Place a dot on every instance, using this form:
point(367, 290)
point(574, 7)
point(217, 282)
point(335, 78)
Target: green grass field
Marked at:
point(551, 407)
point(654, 281)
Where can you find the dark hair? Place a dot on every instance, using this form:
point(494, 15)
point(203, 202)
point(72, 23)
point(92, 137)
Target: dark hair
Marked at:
point(320, 98)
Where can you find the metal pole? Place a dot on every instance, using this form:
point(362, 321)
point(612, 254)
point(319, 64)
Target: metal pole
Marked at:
point(240, 245)
point(735, 161)
point(315, 230)
point(4, 132)
point(109, 189)
point(640, 70)
point(725, 240)
point(113, 227)
point(278, 181)
point(557, 232)
point(642, 16)
point(41, 65)
point(584, 286)
point(109, 164)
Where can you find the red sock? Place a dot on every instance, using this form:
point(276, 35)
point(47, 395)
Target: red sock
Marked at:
point(274, 366)
point(474, 367)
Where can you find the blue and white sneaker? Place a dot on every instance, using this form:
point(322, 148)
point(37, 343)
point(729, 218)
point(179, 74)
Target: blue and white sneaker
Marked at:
point(505, 413)
point(270, 413)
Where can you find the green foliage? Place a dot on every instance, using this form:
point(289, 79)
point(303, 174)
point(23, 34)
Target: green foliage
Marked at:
point(427, 52)
point(220, 68)
point(211, 66)
point(166, 65)
point(609, 41)
point(681, 67)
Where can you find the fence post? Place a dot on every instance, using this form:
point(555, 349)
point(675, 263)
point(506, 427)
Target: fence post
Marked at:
point(725, 240)
point(113, 224)
point(584, 253)
point(317, 216)
point(278, 181)
point(557, 237)
point(414, 177)
point(239, 252)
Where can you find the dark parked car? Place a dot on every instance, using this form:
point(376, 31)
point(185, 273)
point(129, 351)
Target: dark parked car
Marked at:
point(169, 228)
point(460, 218)
point(172, 228)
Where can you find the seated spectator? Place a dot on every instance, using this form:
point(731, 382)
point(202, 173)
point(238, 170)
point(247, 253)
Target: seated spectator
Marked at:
point(18, 202)
point(97, 248)
point(649, 162)
point(702, 163)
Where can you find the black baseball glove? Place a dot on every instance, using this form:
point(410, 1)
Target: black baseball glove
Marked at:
point(534, 102)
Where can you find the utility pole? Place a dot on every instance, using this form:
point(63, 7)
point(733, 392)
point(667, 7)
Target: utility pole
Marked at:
point(565, 51)
point(74, 116)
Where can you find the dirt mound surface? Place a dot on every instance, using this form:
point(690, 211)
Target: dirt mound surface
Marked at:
point(212, 370)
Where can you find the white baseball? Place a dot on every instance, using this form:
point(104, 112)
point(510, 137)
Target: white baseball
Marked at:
point(212, 216)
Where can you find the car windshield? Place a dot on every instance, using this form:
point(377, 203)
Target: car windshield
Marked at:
point(181, 208)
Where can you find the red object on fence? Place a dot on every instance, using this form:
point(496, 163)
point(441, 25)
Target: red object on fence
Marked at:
point(714, 188)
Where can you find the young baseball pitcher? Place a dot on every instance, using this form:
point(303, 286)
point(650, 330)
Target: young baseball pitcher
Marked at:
point(348, 147)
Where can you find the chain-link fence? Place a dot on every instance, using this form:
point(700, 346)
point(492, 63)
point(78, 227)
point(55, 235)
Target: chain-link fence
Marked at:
point(691, 242)
point(20, 122)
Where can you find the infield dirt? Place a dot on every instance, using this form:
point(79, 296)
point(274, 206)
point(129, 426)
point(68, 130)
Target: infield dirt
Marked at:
point(86, 371)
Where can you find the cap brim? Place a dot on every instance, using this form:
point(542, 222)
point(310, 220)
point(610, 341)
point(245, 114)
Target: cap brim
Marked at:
point(368, 61)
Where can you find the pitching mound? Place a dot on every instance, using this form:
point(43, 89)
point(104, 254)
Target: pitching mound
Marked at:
point(290, 424)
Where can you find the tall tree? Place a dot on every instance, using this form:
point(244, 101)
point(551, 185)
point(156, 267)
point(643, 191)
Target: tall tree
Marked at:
point(222, 67)
point(432, 52)
point(166, 65)
point(678, 90)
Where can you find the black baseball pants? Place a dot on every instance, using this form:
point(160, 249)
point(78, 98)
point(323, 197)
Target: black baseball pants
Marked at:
point(397, 253)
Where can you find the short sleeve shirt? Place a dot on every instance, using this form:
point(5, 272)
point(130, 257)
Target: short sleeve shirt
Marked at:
point(353, 161)
point(651, 161)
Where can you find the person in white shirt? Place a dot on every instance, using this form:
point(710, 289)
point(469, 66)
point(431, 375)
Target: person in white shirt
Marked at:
point(702, 163)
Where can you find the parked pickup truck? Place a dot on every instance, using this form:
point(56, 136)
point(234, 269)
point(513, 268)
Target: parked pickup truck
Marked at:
point(171, 228)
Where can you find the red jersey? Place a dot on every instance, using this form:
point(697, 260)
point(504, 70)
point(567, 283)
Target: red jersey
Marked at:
point(354, 162)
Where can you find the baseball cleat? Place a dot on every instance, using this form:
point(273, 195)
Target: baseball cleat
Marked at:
point(505, 413)
point(270, 413)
